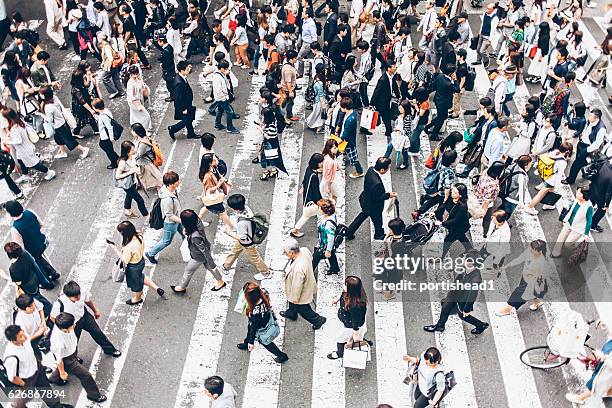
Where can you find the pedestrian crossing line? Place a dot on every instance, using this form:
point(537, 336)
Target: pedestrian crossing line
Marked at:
point(208, 327)
point(328, 376)
point(451, 342)
point(122, 320)
point(262, 383)
point(574, 374)
point(389, 329)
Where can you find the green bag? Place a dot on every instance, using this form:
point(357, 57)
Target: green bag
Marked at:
point(468, 135)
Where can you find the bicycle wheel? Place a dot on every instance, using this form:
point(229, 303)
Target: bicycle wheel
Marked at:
point(542, 357)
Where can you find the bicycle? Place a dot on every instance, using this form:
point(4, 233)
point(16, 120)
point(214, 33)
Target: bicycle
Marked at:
point(543, 358)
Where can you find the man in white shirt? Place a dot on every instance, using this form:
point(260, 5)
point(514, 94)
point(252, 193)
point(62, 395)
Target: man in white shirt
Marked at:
point(30, 316)
point(496, 144)
point(104, 116)
point(23, 369)
point(102, 19)
point(73, 301)
point(64, 349)
point(427, 24)
point(591, 140)
point(365, 72)
point(309, 35)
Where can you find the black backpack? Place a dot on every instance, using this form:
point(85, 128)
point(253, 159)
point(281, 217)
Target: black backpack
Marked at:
point(7, 163)
point(370, 73)
point(156, 220)
point(340, 234)
point(505, 183)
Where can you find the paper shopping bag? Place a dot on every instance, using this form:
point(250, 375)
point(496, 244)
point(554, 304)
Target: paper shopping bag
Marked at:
point(355, 358)
point(369, 119)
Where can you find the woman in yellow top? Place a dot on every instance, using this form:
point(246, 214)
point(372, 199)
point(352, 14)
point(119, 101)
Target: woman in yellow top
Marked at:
point(131, 254)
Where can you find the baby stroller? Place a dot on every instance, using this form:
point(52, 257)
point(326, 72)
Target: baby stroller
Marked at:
point(420, 232)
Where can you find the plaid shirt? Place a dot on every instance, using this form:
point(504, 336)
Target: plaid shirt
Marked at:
point(447, 178)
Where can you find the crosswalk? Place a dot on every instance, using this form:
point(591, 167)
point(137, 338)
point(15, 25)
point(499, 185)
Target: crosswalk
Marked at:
point(170, 346)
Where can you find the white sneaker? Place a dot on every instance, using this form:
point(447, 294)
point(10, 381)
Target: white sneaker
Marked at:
point(50, 175)
point(531, 211)
point(413, 154)
point(60, 155)
point(261, 276)
point(548, 207)
point(574, 397)
point(22, 179)
point(85, 153)
point(76, 58)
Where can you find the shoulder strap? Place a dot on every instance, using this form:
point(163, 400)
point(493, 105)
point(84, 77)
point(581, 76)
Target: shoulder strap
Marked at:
point(16, 368)
point(61, 305)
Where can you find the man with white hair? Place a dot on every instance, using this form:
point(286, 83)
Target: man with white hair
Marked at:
point(300, 285)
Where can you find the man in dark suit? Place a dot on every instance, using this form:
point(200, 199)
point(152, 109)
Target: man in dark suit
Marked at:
point(386, 87)
point(461, 300)
point(445, 86)
point(372, 199)
point(330, 29)
point(184, 111)
point(337, 53)
point(167, 64)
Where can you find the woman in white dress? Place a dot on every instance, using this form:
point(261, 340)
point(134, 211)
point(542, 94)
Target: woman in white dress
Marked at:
point(521, 144)
point(537, 66)
point(137, 92)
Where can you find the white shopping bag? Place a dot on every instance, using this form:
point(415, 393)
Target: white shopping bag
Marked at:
point(369, 119)
point(356, 356)
point(185, 251)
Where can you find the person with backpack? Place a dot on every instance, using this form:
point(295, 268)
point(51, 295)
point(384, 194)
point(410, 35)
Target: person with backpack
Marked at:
point(170, 207)
point(64, 348)
point(24, 370)
point(429, 377)
point(372, 200)
point(146, 158)
point(111, 67)
point(437, 184)
point(300, 285)
point(199, 252)
point(551, 179)
point(326, 227)
point(591, 141)
point(26, 230)
point(514, 185)
point(29, 314)
point(454, 215)
point(244, 234)
point(26, 274)
point(223, 96)
point(311, 188)
point(545, 139)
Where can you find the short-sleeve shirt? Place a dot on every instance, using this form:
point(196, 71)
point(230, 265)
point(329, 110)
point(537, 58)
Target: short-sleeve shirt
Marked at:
point(77, 309)
point(62, 344)
point(29, 323)
point(27, 360)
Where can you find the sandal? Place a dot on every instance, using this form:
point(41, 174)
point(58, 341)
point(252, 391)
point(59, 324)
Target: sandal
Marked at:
point(266, 175)
point(132, 303)
point(294, 235)
point(273, 173)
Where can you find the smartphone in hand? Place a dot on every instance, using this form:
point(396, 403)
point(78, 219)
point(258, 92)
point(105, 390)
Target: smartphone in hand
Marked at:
point(109, 242)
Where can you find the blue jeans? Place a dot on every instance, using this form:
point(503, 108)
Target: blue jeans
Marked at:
point(404, 153)
point(224, 106)
point(508, 207)
point(170, 229)
point(415, 139)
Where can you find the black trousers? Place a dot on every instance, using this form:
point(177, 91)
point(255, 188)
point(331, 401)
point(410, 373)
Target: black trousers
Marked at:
point(38, 381)
point(133, 194)
point(40, 166)
point(272, 348)
point(4, 30)
point(452, 237)
point(89, 324)
point(11, 184)
point(185, 122)
point(47, 306)
point(73, 367)
point(449, 308)
point(107, 146)
point(599, 214)
point(170, 84)
point(45, 266)
point(305, 311)
point(363, 93)
point(420, 400)
point(319, 254)
point(579, 162)
point(516, 297)
point(361, 217)
point(386, 120)
point(438, 121)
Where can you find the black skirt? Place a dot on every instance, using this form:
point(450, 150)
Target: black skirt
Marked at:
point(63, 137)
point(134, 276)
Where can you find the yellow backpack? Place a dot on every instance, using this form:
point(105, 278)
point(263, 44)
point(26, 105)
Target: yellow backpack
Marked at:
point(546, 166)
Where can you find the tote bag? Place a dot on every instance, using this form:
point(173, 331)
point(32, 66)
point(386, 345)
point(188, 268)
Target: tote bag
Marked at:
point(356, 355)
point(118, 272)
point(185, 251)
point(267, 334)
point(369, 119)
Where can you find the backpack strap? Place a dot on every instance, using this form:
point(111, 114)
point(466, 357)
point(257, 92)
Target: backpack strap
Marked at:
point(61, 305)
point(16, 368)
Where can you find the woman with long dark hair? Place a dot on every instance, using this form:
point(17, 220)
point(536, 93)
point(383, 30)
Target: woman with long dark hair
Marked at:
point(214, 189)
point(319, 106)
point(311, 193)
point(132, 256)
point(199, 250)
point(535, 270)
point(457, 223)
point(326, 228)
point(150, 175)
point(526, 132)
point(137, 92)
point(537, 66)
point(54, 117)
point(270, 156)
point(351, 313)
point(81, 103)
point(486, 192)
point(259, 312)
point(126, 176)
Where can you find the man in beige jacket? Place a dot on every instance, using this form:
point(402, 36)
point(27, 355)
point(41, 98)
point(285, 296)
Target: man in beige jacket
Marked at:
point(300, 285)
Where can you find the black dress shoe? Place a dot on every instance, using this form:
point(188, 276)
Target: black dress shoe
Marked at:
point(114, 353)
point(242, 346)
point(349, 237)
point(80, 360)
point(160, 291)
point(56, 276)
point(60, 382)
point(100, 399)
point(286, 316)
point(433, 328)
point(171, 133)
point(379, 237)
point(111, 166)
point(216, 289)
point(320, 323)
point(194, 136)
point(281, 359)
point(168, 99)
point(477, 330)
point(178, 292)
point(236, 116)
